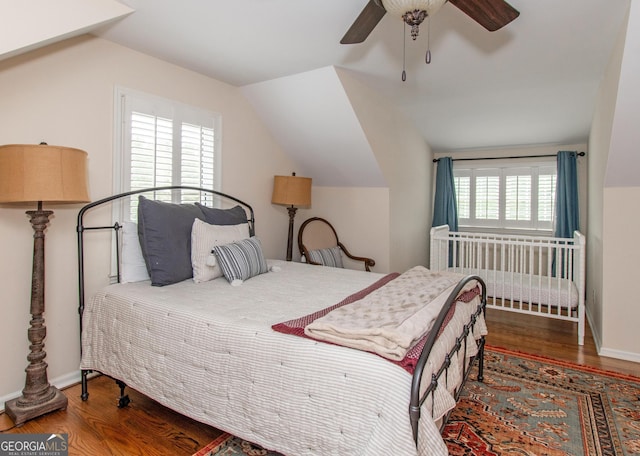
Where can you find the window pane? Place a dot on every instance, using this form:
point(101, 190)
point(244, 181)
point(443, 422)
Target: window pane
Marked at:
point(164, 143)
point(487, 197)
point(463, 196)
point(518, 198)
point(546, 197)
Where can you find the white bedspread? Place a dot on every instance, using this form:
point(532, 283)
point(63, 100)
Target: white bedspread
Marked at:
point(208, 351)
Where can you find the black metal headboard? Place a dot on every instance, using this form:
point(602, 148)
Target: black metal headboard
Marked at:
point(81, 227)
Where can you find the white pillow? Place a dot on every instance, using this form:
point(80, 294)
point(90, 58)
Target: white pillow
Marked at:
point(132, 265)
point(204, 237)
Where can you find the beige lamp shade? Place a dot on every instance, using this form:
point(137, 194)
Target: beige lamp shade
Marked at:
point(291, 191)
point(32, 173)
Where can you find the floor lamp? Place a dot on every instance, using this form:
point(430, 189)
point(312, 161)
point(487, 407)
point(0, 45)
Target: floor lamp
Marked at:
point(33, 174)
point(291, 191)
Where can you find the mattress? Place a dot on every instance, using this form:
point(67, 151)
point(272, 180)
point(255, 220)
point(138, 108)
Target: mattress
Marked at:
point(535, 289)
point(207, 350)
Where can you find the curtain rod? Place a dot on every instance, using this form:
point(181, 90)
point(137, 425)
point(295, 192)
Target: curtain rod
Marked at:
point(435, 160)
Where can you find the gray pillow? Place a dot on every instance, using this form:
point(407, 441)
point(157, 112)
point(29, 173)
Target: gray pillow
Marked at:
point(164, 230)
point(233, 216)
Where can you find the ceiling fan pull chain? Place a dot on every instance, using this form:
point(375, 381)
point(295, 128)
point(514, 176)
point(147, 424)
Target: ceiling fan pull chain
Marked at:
point(404, 52)
point(427, 57)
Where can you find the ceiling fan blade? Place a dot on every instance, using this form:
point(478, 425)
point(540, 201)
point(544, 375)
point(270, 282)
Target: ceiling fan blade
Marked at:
point(491, 14)
point(364, 23)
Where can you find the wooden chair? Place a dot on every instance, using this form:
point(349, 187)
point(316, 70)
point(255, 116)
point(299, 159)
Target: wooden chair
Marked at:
point(319, 244)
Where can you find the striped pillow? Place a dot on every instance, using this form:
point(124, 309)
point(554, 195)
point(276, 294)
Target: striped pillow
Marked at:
point(327, 257)
point(241, 260)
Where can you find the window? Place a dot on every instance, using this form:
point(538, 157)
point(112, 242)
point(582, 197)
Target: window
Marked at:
point(163, 143)
point(506, 196)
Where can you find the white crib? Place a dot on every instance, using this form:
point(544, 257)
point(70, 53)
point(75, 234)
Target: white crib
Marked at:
point(537, 275)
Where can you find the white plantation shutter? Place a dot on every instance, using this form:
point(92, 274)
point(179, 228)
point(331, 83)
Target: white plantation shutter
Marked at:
point(197, 164)
point(462, 185)
point(487, 197)
point(151, 151)
point(165, 143)
point(506, 196)
point(517, 194)
point(546, 197)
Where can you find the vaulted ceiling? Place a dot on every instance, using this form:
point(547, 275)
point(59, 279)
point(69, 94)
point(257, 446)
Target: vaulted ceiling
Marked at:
point(532, 82)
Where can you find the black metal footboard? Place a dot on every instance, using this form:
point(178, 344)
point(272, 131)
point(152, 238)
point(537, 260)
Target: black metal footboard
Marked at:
point(417, 399)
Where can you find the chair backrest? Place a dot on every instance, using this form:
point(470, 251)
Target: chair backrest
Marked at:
point(316, 233)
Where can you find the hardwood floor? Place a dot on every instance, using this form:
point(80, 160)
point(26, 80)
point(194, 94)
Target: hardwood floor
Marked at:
point(551, 338)
point(97, 427)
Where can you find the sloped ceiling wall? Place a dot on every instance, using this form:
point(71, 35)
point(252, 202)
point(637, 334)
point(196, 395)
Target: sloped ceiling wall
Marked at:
point(27, 25)
point(311, 117)
point(624, 157)
point(344, 135)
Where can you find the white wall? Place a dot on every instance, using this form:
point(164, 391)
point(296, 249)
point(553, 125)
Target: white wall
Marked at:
point(621, 248)
point(621, 312)
point(361, 219)
point(389, 223)
point(405, 160)
point(63, 94)
point(599, 142)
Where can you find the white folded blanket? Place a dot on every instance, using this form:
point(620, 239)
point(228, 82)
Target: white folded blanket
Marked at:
point(391, 319)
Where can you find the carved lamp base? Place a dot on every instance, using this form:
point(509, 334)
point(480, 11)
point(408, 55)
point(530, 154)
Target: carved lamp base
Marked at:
point(38, 396)
point(21, 409)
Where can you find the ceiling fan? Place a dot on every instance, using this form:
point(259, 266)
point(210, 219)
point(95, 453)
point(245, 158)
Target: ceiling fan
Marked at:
point(491, 14)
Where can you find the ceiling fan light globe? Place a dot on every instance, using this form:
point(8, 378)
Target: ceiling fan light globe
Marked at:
point(399, 7)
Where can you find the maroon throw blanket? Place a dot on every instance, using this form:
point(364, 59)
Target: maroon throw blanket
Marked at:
point(408, 363)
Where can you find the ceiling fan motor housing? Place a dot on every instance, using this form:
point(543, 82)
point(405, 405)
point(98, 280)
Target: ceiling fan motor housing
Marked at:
point(412, 12)
point(400, 7)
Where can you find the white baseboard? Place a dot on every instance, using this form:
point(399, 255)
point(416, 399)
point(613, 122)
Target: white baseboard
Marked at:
point(619, 354)
point(609, 352)
point(59, 382)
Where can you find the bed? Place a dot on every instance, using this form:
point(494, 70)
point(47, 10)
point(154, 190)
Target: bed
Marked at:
point(537, 275)
point(227, 353)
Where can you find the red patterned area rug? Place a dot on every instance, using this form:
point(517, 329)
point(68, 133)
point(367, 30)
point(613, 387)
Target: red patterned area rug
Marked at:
point(527, 405)
point(530, 405)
